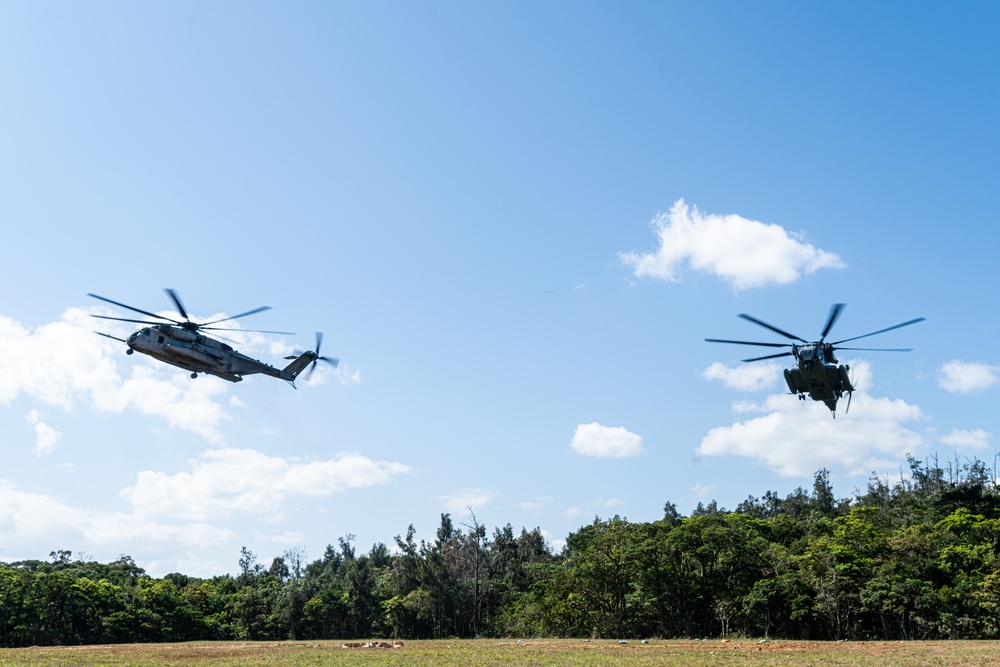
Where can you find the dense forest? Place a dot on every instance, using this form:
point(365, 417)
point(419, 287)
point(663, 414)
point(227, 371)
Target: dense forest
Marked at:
point(917, 558)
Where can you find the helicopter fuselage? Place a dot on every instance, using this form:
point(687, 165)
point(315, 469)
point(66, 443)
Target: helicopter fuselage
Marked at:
point(198, 353)
point(818, 374)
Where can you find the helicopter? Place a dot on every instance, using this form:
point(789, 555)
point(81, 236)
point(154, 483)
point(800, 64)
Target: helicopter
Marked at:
point(183, 344)
point(817, 373)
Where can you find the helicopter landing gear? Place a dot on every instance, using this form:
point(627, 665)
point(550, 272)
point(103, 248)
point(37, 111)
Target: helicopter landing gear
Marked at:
point(194, 376)
point(129, 351)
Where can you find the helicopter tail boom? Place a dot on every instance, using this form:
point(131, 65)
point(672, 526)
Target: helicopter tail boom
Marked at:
point(298, 364)
point(302, 359)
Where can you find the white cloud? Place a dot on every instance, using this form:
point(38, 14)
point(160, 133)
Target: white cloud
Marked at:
point(745, 407)
point(605, 441)
point(55, 363)
point(458, 503)
point(555, 546)
point(224, 481)
point(64, 363)
point(745, 253)
point(703, 491)
point(27, 517)
point(288, 538)
point(183, 403)
point(977, 439)
point(346, 375)
point(591, 507)
point(179, 515)
point(342, 374)
point(535, 506)
point(46, 437)
point(959, 377)
point(795, 438)
point(746, 377)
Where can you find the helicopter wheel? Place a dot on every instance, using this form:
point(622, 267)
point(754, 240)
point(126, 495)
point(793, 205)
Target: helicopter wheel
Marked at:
point(194, 375)
point(129, 351)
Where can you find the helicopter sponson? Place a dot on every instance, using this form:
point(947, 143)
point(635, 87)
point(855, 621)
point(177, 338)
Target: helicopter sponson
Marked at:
point(192, 354)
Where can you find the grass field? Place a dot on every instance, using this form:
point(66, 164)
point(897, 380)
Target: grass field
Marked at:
point(493, 652)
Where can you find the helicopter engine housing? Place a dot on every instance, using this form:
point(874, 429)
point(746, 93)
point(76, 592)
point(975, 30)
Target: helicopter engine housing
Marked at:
point(181, 334)
point(845, 378)
point(796, 381)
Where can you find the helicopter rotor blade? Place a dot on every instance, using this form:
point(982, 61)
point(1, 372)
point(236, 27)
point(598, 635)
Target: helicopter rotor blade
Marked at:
point(172, 293)
point(234, 317)
point(177, 302)
point(775, 329)
point(228, 340)
point(187, 323)
point(898, 326)
point(770, 356)
point(835, 311)
point(138, 310)
point(319, 341)
point(878, 349)
point(125, 319)
point(282, 333)
point(745, 342)
point(333, 361)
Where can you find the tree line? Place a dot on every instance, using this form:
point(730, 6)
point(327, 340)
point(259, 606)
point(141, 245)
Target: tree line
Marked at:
point(915, 559)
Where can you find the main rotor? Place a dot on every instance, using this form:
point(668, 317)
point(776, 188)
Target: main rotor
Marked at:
point(187, 324)
point(831, 319)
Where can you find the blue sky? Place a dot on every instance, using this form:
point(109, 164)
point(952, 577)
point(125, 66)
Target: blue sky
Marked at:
point(516, 224)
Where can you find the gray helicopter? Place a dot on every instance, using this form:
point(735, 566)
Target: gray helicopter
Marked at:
point(182, 344)
point(817, 372)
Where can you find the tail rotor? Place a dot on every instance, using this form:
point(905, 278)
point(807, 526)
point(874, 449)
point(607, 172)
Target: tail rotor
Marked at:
point(333, 361)
point(850, 393)
point(315, 356)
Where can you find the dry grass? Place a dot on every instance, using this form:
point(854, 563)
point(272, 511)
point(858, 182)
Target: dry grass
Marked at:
point(490, 653)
